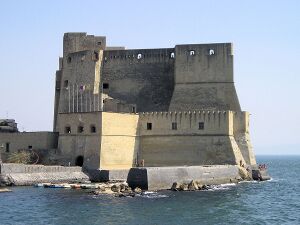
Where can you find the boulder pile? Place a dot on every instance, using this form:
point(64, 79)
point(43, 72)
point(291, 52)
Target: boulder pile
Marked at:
point(119, 189)
point(191, 186)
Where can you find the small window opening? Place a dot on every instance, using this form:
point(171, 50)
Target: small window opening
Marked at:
point(192, 52)
point(79, 160)
point(30, 147)
point(105, 85)
point(93, 129)
point(82, 57)
point(211, 52)
point(69, 60)
point(149, 126)
point(172, 55)
point(133, 109)
point(66, 83)
point(201, 125)
point(80, 129)
point(174, 126)
point(67, 130)
point(99, 43)
point(139, 56)
point(7, 147)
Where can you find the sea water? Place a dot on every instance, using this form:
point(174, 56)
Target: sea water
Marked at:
point(271, 202)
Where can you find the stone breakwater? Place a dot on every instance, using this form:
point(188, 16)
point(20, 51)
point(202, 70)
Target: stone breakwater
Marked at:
point(116, 188)
point(146, 178)
point(24, 175)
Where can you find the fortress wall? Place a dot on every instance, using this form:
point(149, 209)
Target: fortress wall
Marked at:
point(215, 123)
point(207, 75)
point(188, 145)
point(147, 82)
point(242, 136)
point(74, 144)
point(22, 141)
point(120, 143)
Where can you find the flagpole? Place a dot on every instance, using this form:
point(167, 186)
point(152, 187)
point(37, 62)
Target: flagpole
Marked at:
point(73, 99)
point(77, 97)
point(69, 99)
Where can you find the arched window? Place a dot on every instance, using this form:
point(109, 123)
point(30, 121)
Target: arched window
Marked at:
point(211, 52)
point(139, 56)
point(192, 52)
point(172, 55)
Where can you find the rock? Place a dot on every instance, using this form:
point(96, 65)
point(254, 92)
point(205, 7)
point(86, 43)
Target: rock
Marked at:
point(128, 189)
point(205, 187)
point(175, 186)
point(124, 187)
point(115, 188)
point(183, 187)
point(124, 194)
point(199, 184)
point(138, 190)
point(192, 186)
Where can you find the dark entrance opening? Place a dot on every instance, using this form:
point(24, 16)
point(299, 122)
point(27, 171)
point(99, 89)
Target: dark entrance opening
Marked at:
point(79, 161)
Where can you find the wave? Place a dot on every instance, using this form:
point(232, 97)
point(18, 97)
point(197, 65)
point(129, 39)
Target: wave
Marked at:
point(152, 194)
point(220, 187)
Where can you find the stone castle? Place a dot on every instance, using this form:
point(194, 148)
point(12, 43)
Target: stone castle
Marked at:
point(118, 108)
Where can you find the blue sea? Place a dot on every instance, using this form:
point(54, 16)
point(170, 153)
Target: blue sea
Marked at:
point(271, 202)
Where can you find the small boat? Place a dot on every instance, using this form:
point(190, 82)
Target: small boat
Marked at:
point(75, 186)
point(66, 185)
point(88, 186)
point(56, 186)
point(42, 184)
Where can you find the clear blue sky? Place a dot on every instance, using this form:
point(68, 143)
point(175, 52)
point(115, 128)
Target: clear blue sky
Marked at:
point(266, 37)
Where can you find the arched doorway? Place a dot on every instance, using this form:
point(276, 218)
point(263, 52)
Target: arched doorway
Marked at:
point(79, 160)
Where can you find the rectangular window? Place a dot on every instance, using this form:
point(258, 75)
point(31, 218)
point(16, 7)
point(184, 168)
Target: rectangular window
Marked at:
point(149, 126)
point(7, 147)
point(201, 125)
point(29, 147)
point(174, 126)
point(93, 129)
point(105, 85)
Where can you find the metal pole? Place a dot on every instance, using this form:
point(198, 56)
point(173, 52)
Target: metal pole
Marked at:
point(69, 99)
point(73, 98)
point(77, 97)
